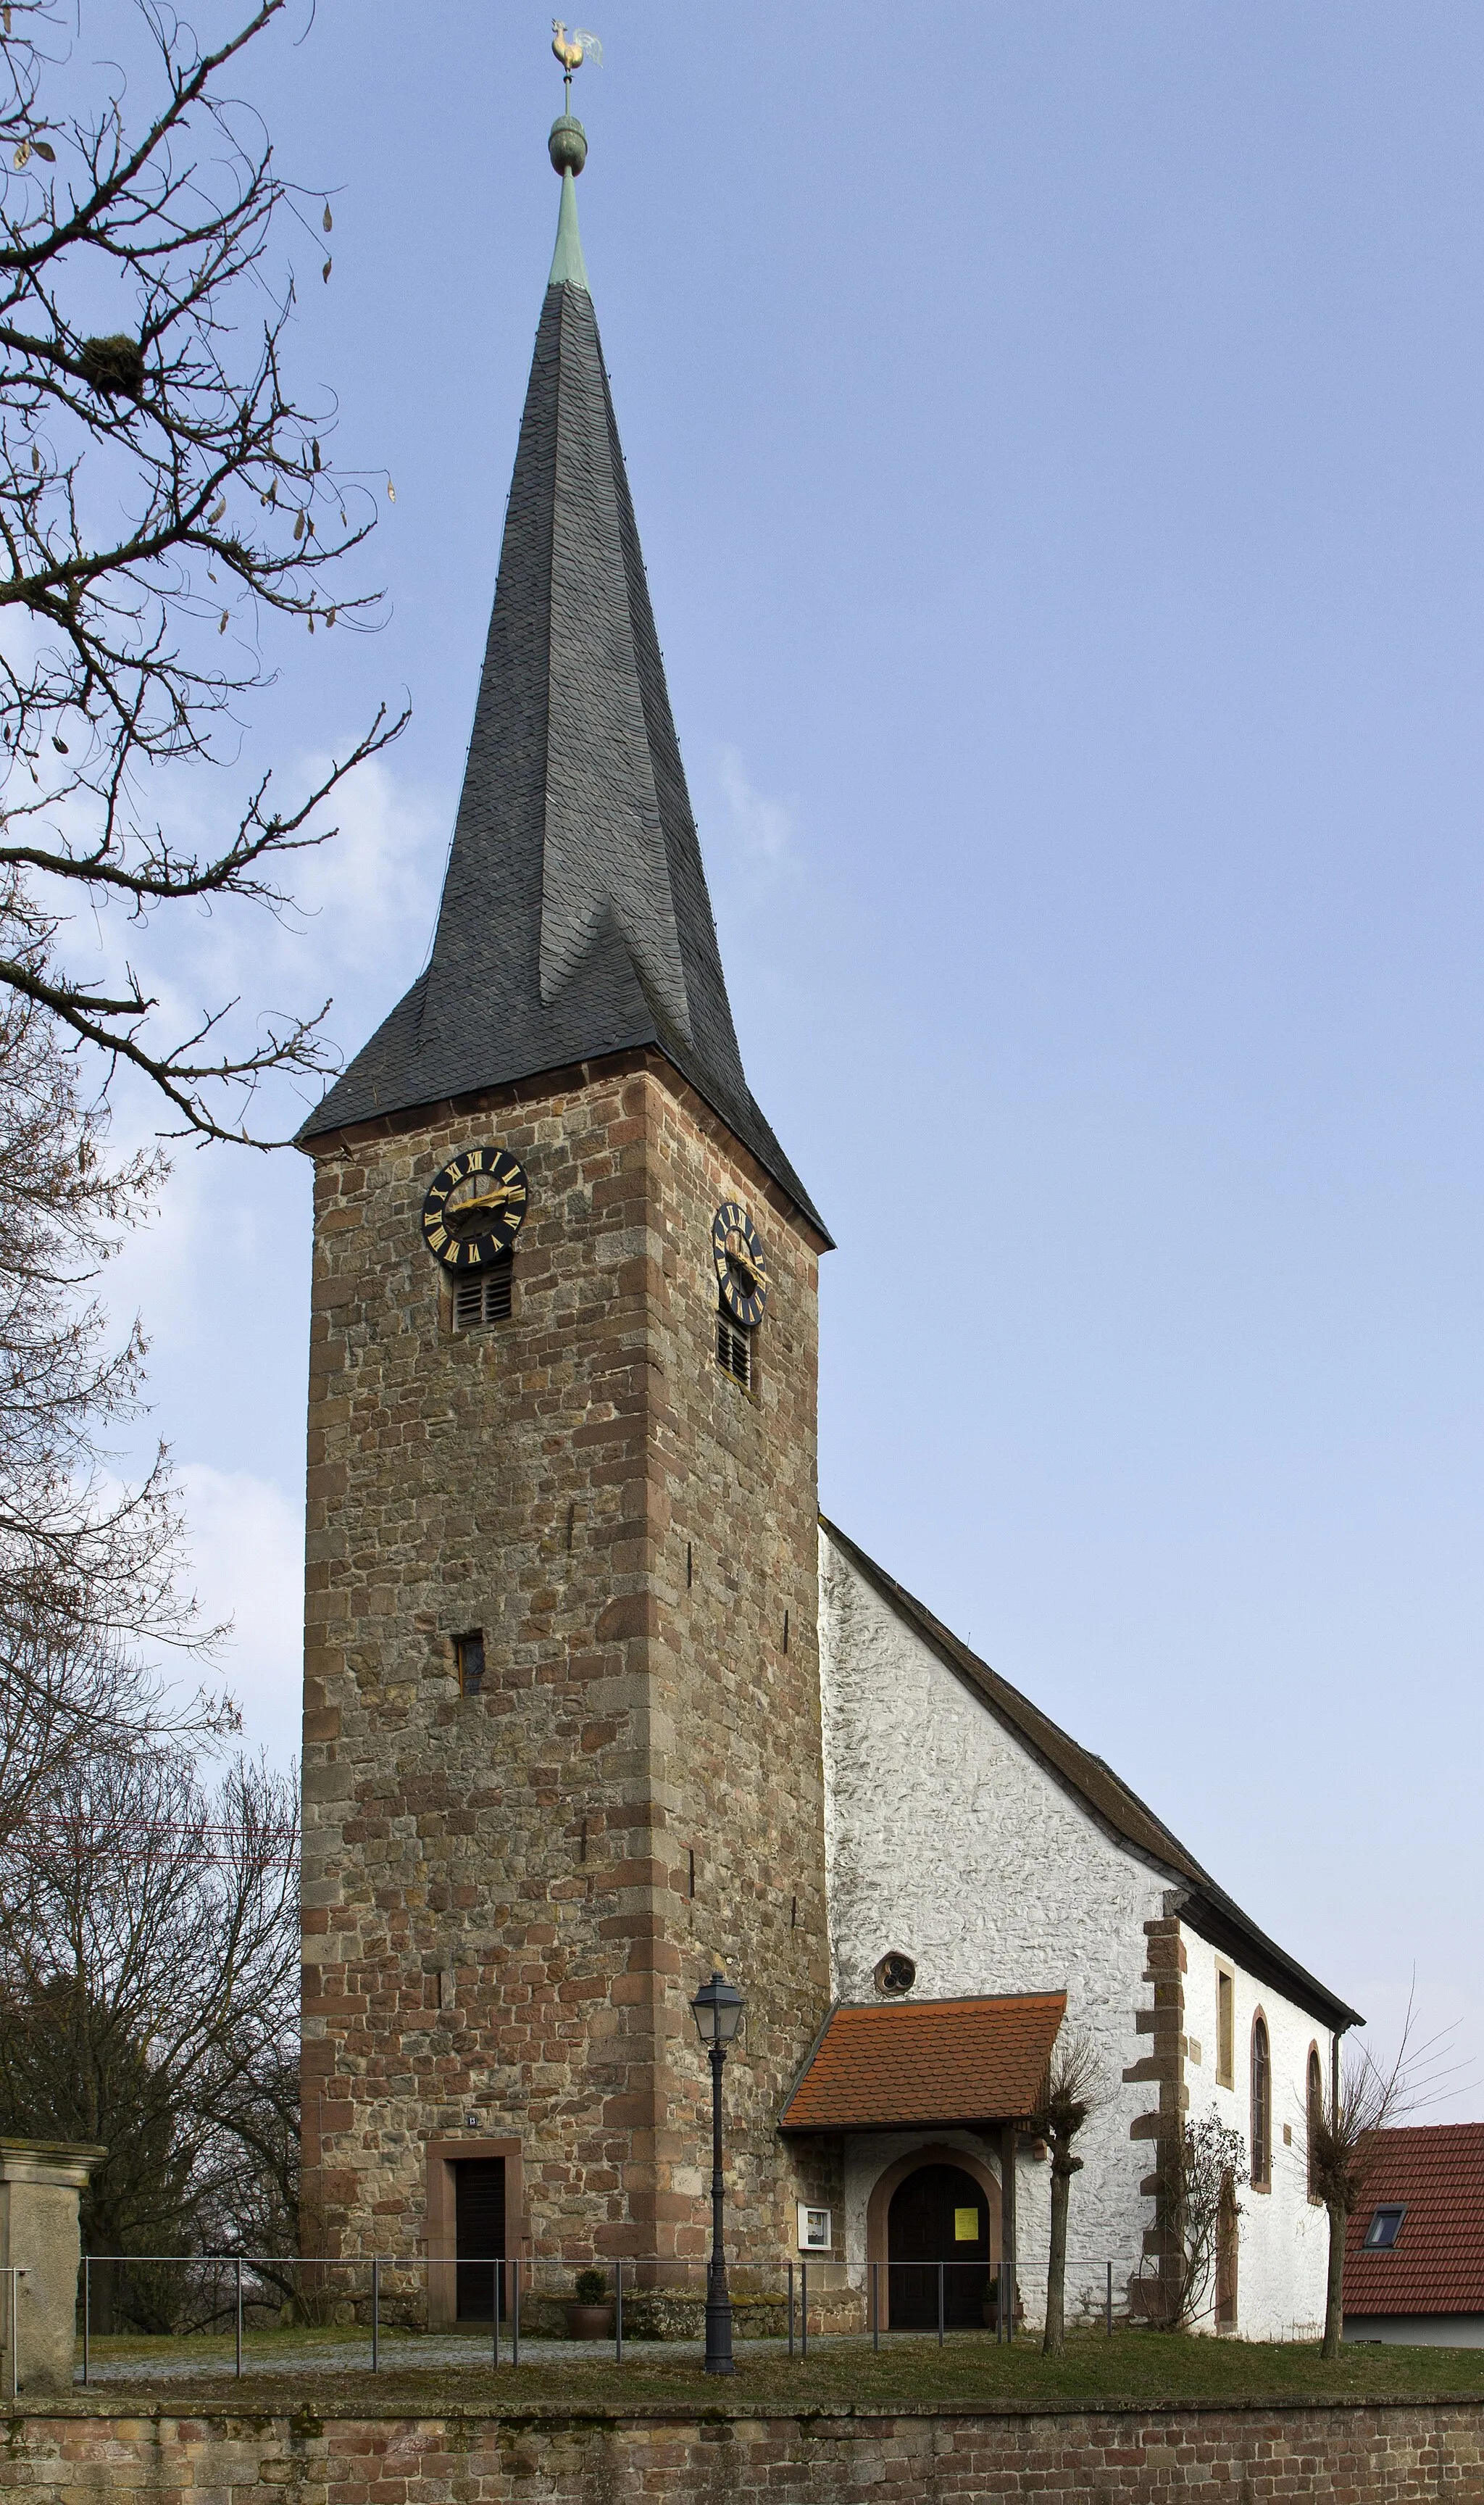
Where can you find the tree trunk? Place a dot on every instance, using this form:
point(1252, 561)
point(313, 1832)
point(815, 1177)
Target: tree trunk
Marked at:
point(1056, 2268)
point(1334, 2292)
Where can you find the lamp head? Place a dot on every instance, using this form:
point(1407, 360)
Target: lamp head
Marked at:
point(717, 2010)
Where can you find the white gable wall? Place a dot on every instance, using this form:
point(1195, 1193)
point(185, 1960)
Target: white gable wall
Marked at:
point(946, 1839)
point(943, 1839)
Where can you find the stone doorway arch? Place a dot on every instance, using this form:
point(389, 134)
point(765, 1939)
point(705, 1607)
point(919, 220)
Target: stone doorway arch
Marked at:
point(932, 2152)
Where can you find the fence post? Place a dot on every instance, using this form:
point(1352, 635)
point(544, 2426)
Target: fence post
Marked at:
point(515, 2315)
point(16, 2275)
point(87, 2311)
point(803, 2310)
point(1110, 2301)
point(791, 2309)
point(941, 2268)
point(875, 2305)
point(618, 2313)
point(499, 2273)
point(375, 2313)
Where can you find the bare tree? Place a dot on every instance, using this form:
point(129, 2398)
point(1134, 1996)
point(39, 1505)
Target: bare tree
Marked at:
point(1199, 2166)
point(87, 1567)
point(1073, 2089)
point(1367, 2098)
point(149, 1970)
point(164, 495)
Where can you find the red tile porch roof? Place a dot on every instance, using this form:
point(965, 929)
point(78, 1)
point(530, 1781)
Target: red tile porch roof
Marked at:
point(900, 2063)
point(1438, 2263)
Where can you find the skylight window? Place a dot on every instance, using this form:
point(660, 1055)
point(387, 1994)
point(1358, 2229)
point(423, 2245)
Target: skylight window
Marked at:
point(1385, 2227)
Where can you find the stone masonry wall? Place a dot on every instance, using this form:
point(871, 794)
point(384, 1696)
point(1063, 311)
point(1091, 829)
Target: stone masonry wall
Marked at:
point(1410, 2454)
point(508, 1898)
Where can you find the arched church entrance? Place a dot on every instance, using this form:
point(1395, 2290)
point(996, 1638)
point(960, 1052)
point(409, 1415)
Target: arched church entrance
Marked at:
point(938, 2215)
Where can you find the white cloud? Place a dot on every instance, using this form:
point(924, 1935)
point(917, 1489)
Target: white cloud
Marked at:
point(246, 1552)
point(764, 830)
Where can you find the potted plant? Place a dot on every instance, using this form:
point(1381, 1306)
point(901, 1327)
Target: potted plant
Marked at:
point(590, 2307)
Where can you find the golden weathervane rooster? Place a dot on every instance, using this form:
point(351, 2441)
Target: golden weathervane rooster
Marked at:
point(574, 48)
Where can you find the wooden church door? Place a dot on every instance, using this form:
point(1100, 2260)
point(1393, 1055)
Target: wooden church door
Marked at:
point(938, 2215)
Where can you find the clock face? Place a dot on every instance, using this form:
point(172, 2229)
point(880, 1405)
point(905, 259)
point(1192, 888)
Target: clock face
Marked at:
point(741, 1264)
point(475, 1207)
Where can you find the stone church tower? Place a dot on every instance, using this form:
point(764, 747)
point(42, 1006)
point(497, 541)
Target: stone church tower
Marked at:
point(561, 1729)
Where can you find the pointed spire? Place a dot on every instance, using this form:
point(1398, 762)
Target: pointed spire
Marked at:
point(567, 147)
point(567, 266)
point(576, 919)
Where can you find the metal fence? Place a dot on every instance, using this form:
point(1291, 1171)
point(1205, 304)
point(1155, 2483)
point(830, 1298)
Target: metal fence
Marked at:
point(493, 2309)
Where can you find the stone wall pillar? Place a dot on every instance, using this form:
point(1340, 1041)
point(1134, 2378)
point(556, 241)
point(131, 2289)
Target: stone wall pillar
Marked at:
point(40, 2180)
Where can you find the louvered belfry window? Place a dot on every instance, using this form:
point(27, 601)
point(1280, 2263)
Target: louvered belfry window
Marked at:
point(485, 1295)
point(734, 1350)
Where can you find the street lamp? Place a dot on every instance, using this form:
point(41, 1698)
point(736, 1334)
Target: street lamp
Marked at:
point(717, 2010)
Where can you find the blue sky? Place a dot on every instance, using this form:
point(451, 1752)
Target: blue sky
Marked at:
point(1056, 433)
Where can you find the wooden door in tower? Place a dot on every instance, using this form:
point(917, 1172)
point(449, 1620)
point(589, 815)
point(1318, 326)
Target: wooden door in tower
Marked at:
point(479, 2233)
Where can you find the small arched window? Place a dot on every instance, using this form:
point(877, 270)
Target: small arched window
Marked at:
point(1314, 2107)
point(1261, 2107)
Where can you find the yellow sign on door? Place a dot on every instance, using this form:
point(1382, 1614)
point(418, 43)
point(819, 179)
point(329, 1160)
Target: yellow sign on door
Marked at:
point(966, 2226)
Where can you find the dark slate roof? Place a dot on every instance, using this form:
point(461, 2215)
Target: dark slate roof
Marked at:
point(576, 919)
point(1205, 1906)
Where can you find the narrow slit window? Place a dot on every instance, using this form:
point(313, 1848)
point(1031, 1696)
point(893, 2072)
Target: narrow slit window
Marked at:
point(1225, 2034)
point(733, 1352)
point(468, 1652)
point(484, 1296)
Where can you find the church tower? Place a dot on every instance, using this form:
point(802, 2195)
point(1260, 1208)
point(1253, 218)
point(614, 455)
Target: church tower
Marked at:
point(562, 1737)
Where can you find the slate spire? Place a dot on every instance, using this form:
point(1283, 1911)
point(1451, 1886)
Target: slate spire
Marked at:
point(576, 919)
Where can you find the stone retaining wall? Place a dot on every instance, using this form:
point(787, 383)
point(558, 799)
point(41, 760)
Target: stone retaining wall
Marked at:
point(1404, 2455)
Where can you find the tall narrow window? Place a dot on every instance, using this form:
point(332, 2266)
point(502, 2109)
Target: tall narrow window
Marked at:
point(1261, 2107)
point(1227, 2256)
point(1314, 2110)
point(468, 1652)
point(1225, 2034)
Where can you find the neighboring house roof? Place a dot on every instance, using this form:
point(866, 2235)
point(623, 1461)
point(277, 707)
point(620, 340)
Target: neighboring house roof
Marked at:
point(1436, 2266)
point(1205, 1906)
point(899, 2065)
point(576, 921)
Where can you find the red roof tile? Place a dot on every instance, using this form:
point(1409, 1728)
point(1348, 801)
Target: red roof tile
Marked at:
point(1438, 2263)
point(911, 2062)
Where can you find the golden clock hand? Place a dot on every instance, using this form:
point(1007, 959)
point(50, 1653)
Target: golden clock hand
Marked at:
point(487, 1199)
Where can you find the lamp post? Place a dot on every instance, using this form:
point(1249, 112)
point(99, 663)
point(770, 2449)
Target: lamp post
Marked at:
point(717, 2010)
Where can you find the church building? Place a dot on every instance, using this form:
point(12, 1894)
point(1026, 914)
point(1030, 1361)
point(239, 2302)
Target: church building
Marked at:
point(596, 1702)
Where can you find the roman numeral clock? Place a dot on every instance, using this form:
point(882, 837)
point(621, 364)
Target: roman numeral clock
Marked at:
point(475, 1208)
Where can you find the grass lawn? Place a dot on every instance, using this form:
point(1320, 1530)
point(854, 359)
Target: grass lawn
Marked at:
point(1139, 2368)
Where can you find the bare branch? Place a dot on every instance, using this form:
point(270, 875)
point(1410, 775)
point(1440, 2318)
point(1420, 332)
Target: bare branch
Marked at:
point(164, 495)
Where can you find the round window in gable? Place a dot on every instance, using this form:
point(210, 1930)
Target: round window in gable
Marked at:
point(896, 1972)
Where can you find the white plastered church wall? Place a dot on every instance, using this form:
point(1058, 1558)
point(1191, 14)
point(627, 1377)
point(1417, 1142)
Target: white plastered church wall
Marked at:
point(1283, 2237)
point(945, 1839)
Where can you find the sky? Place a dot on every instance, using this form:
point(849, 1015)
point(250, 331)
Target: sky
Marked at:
point(1055, 432)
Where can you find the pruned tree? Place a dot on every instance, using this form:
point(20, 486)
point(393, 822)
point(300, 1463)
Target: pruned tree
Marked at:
point(148, 2000)
point(1367, 2097)
point(165, 496)
point(1199, 2166)
point(1072, 2091)
point(87, 1567)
